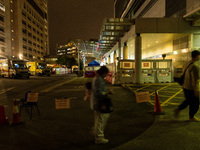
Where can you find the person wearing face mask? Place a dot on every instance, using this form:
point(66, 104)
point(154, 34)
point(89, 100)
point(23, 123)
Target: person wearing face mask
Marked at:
point(98, 91)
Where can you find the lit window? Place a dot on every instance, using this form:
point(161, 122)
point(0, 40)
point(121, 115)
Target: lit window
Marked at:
point(11, 1)
point(12, 30)
point(11, 10)
point(2, 7)
point(11, 20)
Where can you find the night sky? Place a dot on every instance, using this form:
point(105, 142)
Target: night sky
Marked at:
point(76, 19)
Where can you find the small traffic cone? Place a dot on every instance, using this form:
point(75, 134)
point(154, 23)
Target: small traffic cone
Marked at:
point(3, 118)
point(16, 115)
point(157, 107)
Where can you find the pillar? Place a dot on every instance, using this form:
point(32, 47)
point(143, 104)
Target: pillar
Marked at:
point(115, 57)
point(125, 51)
point(138, 59)
point(108, 59)
point(119, 57)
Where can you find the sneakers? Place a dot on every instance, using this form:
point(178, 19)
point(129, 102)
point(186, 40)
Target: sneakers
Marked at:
point(195, 119)
point(101, 141)
point(176, 113)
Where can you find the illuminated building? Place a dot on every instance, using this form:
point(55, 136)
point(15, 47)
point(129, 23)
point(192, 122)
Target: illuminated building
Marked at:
point(149, 29)
point(23, 29)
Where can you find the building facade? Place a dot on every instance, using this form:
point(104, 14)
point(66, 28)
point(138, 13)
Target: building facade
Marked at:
point(24, 29)
point(155, 28)
point(68, 49)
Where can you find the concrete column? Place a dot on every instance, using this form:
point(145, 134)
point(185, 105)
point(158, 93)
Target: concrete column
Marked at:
point(115, 57)
point(125, 51)
point(138, 59)
point(109, 59)
point(119, 57)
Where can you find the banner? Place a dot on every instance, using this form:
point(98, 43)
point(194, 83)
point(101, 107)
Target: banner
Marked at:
point(62, 103)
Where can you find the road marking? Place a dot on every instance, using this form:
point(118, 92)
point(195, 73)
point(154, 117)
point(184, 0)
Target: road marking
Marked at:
point(160, 89)
point(5, 90)
point(163, 104)
point(142, 88)
point(170, 92)
point(57, 85)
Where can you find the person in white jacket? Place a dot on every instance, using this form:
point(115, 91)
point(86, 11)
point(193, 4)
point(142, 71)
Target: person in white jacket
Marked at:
point(98, 92)
point(190, 87)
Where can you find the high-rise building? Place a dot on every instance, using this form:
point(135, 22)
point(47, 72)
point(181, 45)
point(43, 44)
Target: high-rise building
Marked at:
point(23, 29)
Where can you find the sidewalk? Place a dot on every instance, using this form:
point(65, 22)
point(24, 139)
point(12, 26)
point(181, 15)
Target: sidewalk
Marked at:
point(168, 133)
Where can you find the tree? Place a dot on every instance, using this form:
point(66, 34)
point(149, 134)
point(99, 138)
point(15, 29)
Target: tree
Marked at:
point(68, 61)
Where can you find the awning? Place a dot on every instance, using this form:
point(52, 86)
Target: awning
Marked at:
point(111, 32)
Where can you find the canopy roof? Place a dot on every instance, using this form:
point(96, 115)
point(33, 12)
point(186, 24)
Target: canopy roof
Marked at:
point(111, 32)
point(94, 63)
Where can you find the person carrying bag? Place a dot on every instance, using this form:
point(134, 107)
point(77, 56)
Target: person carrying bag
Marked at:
point(101, 104)
point(190, 86)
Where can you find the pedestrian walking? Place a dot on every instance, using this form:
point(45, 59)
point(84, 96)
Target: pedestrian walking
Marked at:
point(190, 87)
point(98, 92)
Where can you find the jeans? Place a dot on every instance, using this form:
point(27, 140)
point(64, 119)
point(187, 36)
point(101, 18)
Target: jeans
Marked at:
point(191, 101)
point(100, 123)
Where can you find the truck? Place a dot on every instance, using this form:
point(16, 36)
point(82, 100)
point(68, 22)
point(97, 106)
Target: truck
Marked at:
point(38, 68)
point(75, 69)
point(13, 68)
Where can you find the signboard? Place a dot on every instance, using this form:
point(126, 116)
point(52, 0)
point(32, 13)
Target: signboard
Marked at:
point(142, 97)
point(127, 65)
point(32, 97)
point(62, 103)
point(163, 64)
point(146, 65)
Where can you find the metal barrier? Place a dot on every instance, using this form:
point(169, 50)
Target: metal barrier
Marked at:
point(164, 71)
point(127, 76)
point(148, 76)
point(153, 71)
point(90, 71)
point(112, 71)
point(126, 73)
point(148, 73)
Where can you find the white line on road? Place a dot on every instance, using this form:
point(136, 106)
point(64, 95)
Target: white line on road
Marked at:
point(57, 85)
point(5, 90)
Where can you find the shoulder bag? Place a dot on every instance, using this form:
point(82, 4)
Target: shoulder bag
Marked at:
point(181, 79)
point(105, 105)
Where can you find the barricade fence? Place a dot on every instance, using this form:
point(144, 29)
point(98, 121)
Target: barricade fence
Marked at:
point(153, 71)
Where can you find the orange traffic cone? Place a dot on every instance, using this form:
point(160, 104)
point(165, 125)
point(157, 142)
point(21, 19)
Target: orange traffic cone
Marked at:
point(157, 108)
point(16, 116)
point(3, 118)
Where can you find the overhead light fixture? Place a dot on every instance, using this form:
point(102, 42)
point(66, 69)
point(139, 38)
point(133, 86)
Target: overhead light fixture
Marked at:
point(184, 50)
point(175, 52)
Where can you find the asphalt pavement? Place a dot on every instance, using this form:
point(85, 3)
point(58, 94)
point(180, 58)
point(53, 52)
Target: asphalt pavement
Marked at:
point(131, 126)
